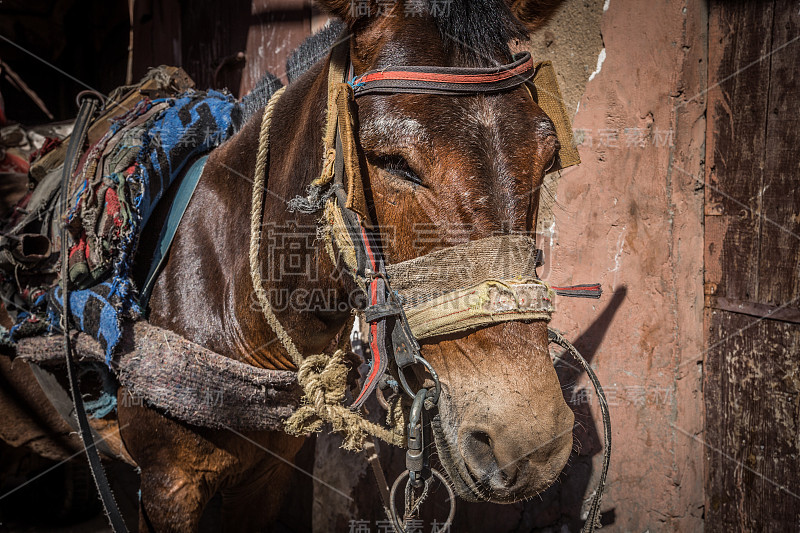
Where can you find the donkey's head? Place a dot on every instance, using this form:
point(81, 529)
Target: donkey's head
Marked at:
point(449, 169)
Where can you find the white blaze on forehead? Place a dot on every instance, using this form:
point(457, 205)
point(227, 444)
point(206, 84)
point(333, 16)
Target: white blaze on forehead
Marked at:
point(397, 128)
point(486, 116)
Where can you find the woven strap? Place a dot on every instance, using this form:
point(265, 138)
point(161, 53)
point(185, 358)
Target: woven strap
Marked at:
point(463, 287)
point(488, 303)
point(472, 285)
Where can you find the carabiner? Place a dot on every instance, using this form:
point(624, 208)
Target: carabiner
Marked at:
point(417, 462)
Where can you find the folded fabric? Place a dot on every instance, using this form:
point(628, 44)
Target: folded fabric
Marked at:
point(118, 184)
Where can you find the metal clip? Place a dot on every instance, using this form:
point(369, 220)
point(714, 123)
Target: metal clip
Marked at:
point(417, 461)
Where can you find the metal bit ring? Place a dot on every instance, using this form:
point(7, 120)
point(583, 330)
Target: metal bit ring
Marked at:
point(451, 495)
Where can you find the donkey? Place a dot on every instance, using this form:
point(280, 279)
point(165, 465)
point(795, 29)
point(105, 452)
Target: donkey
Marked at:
point(474, 162)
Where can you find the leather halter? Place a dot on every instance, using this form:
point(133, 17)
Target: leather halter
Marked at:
point(390, 333)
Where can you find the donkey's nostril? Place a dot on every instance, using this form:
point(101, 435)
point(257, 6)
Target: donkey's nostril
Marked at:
point(480, 444)
point(478, 451)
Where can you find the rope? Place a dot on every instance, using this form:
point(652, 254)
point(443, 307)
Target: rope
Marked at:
point(323, 377)
point(255, 230)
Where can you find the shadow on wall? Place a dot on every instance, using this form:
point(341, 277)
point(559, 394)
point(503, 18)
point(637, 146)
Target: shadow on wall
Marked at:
point(563, 503)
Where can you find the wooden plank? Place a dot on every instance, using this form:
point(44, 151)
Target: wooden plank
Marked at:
point(752, 224)
point(736, 141)
point(157, 35)
point(785, 314)
point(277, 29)
point(779, 267)
point(752, 398)
point(265, 31)
point(212, 31)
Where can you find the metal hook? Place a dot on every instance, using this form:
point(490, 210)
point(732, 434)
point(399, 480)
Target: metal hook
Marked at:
point(433, 394)
point(416, 459)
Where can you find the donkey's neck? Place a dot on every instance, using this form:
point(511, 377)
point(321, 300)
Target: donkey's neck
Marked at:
point(206, 293)
point(313, 297)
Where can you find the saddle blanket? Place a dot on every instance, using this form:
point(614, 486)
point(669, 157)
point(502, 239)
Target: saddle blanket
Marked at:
point(117, 185)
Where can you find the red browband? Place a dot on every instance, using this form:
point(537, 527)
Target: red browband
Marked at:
point(446, 80)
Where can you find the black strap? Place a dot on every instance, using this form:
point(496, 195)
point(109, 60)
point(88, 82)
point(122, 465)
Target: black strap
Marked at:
point(389, 332)
point(371, 269)
point(390, 335)
point(89, 104)
point(378, 312)
point(593, 516)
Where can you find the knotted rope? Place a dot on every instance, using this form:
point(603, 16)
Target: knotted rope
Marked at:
point(323, 377)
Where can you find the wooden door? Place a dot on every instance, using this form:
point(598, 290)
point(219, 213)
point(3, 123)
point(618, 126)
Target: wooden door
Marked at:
point(221, 44)
point(752, 277)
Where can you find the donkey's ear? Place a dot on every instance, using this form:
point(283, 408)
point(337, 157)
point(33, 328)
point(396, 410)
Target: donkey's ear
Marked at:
point(533, 13)
point(347, 10)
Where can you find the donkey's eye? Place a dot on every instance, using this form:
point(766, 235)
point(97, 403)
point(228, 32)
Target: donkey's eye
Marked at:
point(398, 166)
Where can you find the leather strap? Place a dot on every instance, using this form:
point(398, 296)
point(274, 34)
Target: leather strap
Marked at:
point(88, 107)
point(539, 79)
point(446, 80)
point(370, 267)
point(346, 174)
point(176, 211)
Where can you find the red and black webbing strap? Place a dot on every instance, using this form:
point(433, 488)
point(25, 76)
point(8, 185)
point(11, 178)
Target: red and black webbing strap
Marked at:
point(371, 269)
point(446, 80)
point(592, 290)
point(377, 329)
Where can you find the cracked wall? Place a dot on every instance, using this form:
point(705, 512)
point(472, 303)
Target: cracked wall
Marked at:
point(630, 217)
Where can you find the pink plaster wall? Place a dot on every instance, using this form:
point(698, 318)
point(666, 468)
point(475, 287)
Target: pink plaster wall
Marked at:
point(631, 217)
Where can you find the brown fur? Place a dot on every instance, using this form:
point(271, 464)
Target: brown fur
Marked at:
point(481, 159)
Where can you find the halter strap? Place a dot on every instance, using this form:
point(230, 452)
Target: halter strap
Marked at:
point(446, 80)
